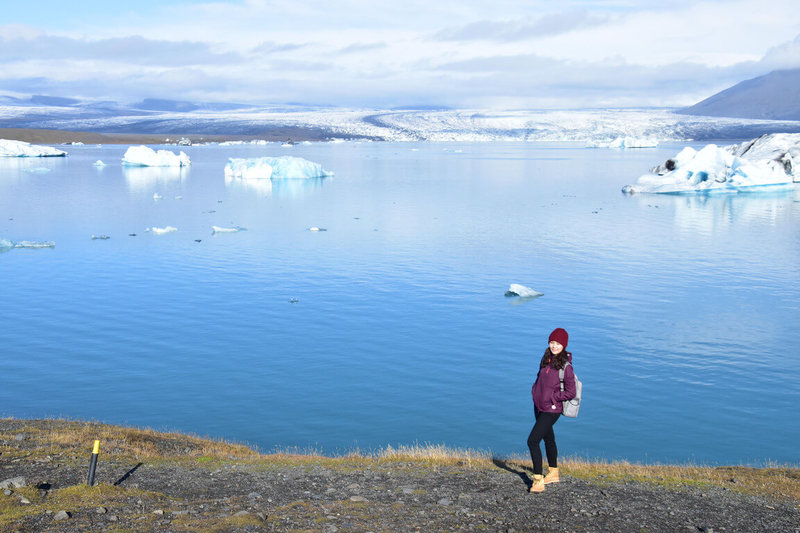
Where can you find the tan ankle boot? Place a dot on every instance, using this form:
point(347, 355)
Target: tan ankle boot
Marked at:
point(552, 476)
point(538, 483)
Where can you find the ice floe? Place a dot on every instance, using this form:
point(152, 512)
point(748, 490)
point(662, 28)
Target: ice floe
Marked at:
point(22, 149)
point(522, 291)
point(285, 167)
point(763, 163)
point(6, 244)
point(144, 156)
point(161, 231)
point(627, 142)
point(222, 229)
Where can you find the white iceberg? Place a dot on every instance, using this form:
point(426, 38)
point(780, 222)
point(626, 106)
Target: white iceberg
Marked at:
point(766, 162)
point(6, 244)
point(628, 142)
point(285, 167)
point(22, 149)
point(221, 229)
point(157, 196)
point(522, 291)
point(161, 231)
point(144, 156)
point(99, 163)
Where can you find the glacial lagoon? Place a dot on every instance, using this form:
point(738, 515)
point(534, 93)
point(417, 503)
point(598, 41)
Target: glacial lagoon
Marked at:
point(391, 327)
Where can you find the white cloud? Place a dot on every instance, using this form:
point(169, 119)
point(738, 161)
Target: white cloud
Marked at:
point(378, 53)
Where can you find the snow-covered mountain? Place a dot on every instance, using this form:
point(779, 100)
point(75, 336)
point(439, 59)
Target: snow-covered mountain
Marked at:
point(775, 96)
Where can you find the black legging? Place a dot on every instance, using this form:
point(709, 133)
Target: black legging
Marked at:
point(543, 429)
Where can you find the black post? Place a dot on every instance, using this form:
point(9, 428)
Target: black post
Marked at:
point(93, 463)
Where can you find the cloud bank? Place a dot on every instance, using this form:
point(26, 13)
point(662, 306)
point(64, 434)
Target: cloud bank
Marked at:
point(357, 53)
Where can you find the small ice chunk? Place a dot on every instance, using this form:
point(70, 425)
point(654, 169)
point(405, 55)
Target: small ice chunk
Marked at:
point(161, 231)
point(22, 149)
point(285, 167)
point(522, 291)
point(144, 156)
point(38, 170)
point(179, 197)
point(100, 237)
point(157, 196)
point(628, 142)
point(222, 229)
point(315, 228)
point(99, 163)
point(35, 244)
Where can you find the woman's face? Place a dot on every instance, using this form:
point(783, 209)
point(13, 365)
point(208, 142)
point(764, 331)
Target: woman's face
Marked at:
point(555, 348)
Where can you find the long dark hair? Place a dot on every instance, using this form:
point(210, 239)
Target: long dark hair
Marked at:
point(556, 362)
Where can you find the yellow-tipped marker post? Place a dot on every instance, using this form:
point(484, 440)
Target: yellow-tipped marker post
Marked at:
point(93, 463)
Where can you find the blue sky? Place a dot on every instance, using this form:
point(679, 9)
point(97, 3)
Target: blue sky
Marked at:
point(358, 53)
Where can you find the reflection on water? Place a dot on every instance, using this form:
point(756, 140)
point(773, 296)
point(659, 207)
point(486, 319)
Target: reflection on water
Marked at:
point(35, 165)
point(283, 188)
point(708, 215)
point(145, 178)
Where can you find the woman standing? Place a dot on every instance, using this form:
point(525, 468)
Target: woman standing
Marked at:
point(547, 398)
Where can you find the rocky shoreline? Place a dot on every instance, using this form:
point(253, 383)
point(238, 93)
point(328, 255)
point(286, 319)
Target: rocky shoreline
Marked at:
point(163, 483)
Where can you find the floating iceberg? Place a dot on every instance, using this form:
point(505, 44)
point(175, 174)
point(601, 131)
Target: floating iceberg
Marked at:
point(6, 245)
point(99, 163)
point(522, 291)
point(221, 229)
point(144, 156)
point(751, 166)
point(285, 167)
point(628, 142)
point(23, 149)
point(161, 231)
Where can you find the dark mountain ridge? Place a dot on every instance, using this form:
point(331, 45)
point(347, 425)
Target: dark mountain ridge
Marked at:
point(774, 96)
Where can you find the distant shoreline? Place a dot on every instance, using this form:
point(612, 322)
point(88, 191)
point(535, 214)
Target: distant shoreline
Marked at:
point(48, 136)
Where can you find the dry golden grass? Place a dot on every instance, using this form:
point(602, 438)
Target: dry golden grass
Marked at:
point(55, 435)
point(48, 436)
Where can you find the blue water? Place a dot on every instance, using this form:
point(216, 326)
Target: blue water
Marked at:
point(683, 312)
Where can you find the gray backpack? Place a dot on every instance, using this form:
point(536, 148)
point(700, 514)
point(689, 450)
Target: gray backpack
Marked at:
point(570, 407)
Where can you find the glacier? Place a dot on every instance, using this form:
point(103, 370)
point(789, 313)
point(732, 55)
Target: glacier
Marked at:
point(144, 156)
point(22, 149)
point(763, 163)
point(284, 167)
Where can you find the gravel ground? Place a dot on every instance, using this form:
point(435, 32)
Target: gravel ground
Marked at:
point(366, 495)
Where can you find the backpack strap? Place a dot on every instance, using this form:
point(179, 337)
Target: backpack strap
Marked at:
point(561, 375)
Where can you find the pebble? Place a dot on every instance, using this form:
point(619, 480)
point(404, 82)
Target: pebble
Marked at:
point(254, 496)
point(61, 515)
point(19, 437)
point(101, 510)
point(445, 501)
point(158, 512)
point(14, 482)
point(24, 500)
point(242, 513)
point(358, 499)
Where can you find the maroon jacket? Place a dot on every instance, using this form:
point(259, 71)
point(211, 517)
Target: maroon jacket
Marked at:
point(546, 391)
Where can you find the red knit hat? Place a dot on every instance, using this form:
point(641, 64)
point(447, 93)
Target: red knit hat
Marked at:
point(559, 335)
